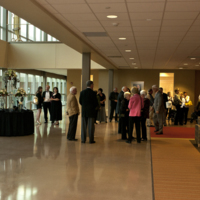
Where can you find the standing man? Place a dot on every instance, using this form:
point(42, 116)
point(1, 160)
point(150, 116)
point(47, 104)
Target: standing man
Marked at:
point(88, 101)
point(46, 103)
point(113, 103)
point(73, 112)
point(185, 108)
point(151, 111)
point(119, 100)
point(165, 100)
point(177, 102)
point(159, 110)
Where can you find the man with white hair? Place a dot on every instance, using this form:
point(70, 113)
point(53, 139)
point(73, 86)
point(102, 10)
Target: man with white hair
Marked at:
point(119, 100)
point(159, 110)
point(113, 103)
point(73, 112)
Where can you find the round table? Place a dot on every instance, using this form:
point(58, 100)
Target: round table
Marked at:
point(16, 123)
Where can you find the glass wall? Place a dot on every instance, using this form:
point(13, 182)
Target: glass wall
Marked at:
point(19, 30)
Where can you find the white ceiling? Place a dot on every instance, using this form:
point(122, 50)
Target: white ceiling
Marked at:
point(167, 41)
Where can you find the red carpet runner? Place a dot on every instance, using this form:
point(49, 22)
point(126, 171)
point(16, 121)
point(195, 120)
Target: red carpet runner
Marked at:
point(175, 132)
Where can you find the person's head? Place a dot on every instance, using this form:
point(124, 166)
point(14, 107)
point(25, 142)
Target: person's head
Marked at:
point(39, 89)
point(177, 91)
point(155, 88)
point(128, 90)
point(185, 94)
point(73, 90)
point(90, 84)
point(150, 91)
point(124, 89)
point(143, 93)
point(134, 90)
point(55, 90)
point(161, 89)
point(47, 88)
point(100, 90)
point(181, 94)
point(127, 95)
point(169, 94)
point(115, 89)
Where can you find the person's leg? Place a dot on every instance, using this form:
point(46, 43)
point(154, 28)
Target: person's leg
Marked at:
point(123, 128)
point(91, 129)
point(45, 106)
point(177, 115)
point(70, 127)
point(130, 133)
point(84, 129)
point(137, 125)
point(75, 126)
point(160, 122)
point(155, 120)
point(49, 109)
point(116, 116)
point(181, 116)
point(119, 125)
point(111, 112)
point(144, 131)
point(186, 114)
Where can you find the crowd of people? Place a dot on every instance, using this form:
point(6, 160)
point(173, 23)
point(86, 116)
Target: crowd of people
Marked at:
point(133, 107)
point(50, 102)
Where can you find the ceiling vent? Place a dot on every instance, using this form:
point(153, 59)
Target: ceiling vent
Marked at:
point(95, 34)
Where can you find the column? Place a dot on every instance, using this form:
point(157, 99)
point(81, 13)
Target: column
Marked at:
point(86, 62)
point(110, 86)
point(45, 80)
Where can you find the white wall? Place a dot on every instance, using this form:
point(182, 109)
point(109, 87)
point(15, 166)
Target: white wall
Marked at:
point(3, 54)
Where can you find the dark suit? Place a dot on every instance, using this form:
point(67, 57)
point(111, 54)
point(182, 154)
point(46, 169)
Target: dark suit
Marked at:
point(88, 101)
point(119, 100)
point(47, 105)
point(165, 100)
point(113, 96)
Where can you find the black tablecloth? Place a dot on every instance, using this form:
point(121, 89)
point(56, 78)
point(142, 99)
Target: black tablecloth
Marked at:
point(16, 123)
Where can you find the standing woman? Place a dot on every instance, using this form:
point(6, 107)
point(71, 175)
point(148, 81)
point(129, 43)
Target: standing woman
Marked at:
point(135, 106)
point(56, 106)
point(102, 112)
point(39, 105)
point(144, 114)
point(169, 110)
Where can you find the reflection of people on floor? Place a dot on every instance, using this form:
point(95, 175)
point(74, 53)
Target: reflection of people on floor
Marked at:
point(48, 145)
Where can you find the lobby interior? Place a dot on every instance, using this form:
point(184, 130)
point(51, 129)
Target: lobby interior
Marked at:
point(64, 43)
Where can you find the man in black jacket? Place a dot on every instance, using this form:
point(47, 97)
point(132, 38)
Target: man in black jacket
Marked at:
point(113, 103)
point(46, 103)
point(88, 101)
point(119, 100)
point(165, 100)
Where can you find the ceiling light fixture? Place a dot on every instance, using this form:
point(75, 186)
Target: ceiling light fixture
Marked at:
point(135, 67)
point(192, 58)
point(128, 51)
point(112, 16)
point(131, 58)
point(197, 65)
point(180, 68)
point(107, 7)
point(122, 38)
point(185, 64)
point(133, 63)
point(149, 19)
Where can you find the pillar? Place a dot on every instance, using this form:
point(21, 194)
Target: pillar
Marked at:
point(86, 63)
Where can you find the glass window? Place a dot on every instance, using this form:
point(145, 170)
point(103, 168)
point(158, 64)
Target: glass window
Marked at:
point(38, 34)
point(49, 38)
point(1, 86)
point(31, 32)
point(22, 80)
point(31, 84)
point(23, 27)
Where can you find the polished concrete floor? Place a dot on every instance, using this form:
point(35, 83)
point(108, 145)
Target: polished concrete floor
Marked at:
point(45, 166)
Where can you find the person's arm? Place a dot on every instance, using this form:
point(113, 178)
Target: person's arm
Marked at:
point(130, 104)
point(80, 98)
point(56, 99)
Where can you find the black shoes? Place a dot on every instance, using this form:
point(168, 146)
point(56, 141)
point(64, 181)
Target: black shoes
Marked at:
point(92, 142)
point(82, 141)
point(110, 120)
point(156, 131)
point(128, 141)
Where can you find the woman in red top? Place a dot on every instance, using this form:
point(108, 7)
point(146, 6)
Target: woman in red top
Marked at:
point(135, 106)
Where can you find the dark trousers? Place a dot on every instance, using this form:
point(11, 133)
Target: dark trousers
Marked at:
point(124, 127)
point(144, 129)
point(72, 127)
point(113, 108)
point(96, 113)
point(87, 122)
point(179, 116)
point(119, 125)
point(46, 107)
point(185, 114)
point(136, 121)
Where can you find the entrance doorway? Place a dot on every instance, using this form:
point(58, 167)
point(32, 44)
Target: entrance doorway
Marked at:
point(166, 81)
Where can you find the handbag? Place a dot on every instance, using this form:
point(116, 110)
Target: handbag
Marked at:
point(168, 104)
point(35, 100)
point(189, 103)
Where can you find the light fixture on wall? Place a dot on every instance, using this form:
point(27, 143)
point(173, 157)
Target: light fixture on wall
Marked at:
point(112, 16)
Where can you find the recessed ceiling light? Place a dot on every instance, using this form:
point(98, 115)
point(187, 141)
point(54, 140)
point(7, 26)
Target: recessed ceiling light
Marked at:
point(131, 58)
point(135, 67)
point(193, 58)
point(185, 64)
point(197, 65)
point(112, 16)
point(133, 63)
point(128, 50)
point(122, 38)
point(149, 19)
point(180, 68)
